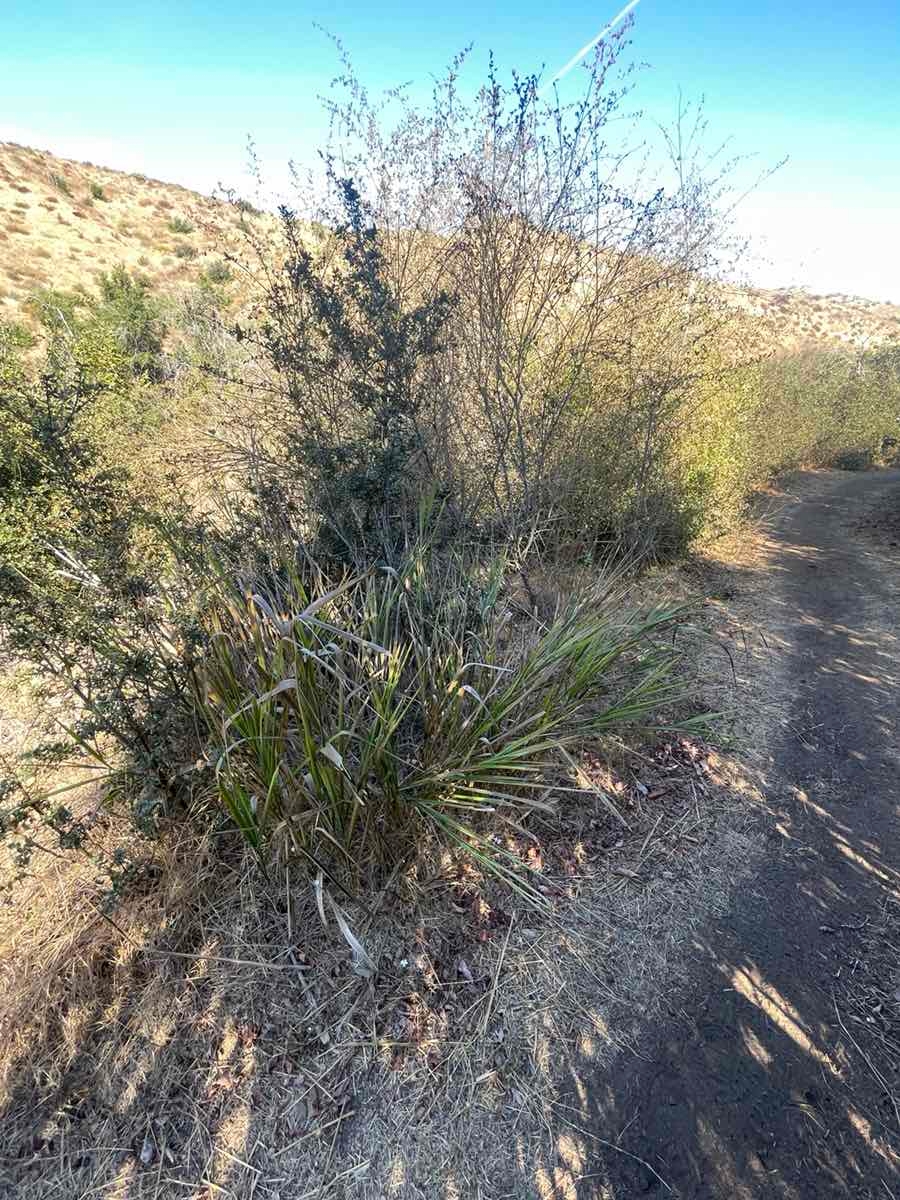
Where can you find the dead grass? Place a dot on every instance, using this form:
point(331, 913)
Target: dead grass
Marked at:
point(132, 221)
point(793, 318)
point(216, 1038)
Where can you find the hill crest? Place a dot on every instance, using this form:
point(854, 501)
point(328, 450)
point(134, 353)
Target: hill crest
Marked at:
point(63, 222)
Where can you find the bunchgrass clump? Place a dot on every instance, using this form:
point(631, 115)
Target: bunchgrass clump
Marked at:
point(348, 723)
point(216, 272)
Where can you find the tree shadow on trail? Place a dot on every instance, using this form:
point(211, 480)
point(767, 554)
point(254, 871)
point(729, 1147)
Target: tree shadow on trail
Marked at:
point(110, 1040)
point(778, 1074)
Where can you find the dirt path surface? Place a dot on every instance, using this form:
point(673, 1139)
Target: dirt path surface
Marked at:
point(777, 1073)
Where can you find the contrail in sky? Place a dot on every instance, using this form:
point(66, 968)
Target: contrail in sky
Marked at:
point(573, 62)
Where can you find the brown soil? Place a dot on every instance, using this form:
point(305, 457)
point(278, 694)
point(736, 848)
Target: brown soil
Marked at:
point(777, 1071)
point(710, 1008)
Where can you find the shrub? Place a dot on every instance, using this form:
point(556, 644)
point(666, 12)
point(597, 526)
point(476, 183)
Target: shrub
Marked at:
point(486, 308)
point(342, 716)
point(853, 460)
point(217, 272)
point(207, 341)
point(127, 307)
point(826, 407)
point(60, 183)
point(87, 598)
point(97, 192)
point(180, 225)
point(355, 362)
point(56, 310)
point(580, 331)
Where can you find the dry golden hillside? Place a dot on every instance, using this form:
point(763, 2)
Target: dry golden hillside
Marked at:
point(63, 222)
point(797, 317)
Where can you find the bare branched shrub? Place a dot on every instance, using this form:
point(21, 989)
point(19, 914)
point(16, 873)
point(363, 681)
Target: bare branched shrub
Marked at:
point(573, 291)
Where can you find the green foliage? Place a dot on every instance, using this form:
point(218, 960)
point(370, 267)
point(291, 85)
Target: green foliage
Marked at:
point(826, 407)
point(349, 720)
point(60, 183)
point(217, 272)
point(15, 339)
point(129, 310)
point(494, 323)
point(56, 310)
point(112, 336)
point(87, 597)
point(97, 192)
point(346, 335)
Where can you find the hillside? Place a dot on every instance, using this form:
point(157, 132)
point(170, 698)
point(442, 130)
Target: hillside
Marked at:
point(62, 223)
point(798, 317)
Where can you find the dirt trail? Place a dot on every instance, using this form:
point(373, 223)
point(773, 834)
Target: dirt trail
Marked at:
point(777, 1074)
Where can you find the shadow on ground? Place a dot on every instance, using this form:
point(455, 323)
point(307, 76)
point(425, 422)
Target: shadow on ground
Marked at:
point(778, 1073)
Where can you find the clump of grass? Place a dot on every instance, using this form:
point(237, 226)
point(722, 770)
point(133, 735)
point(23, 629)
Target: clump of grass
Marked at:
point(97, 192)
point(180, 225)
point(346, 723)
point(183, 250)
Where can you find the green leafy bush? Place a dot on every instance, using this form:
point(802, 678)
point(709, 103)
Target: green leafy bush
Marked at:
point(822, 407)
point(217, 272)
point(335, 717)
point(127, 308)
point(88, 596)
point(355, 363)
point(493, 320)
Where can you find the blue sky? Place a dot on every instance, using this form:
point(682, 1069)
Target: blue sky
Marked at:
point(174, 88)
